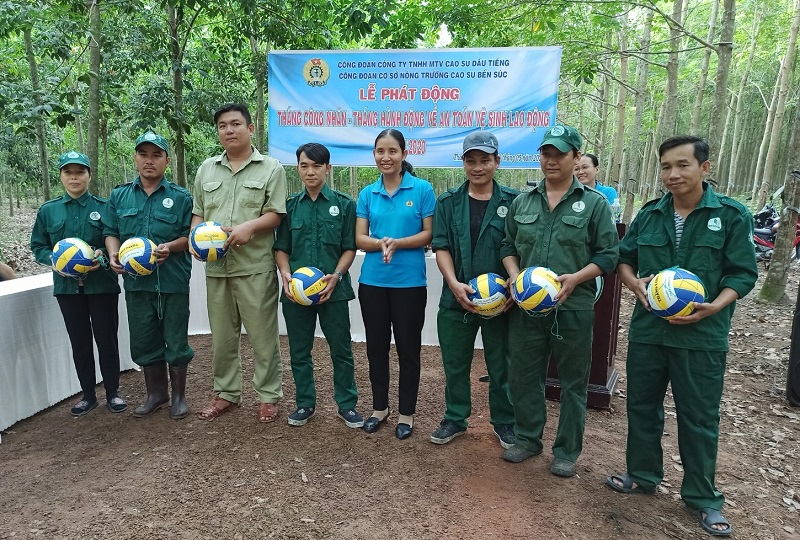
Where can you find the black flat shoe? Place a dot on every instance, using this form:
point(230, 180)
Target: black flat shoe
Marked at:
point(403, 431)
point(373, 423)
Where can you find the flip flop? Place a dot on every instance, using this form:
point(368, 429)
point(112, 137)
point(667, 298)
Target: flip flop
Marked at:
point(214, 409)
point(713, 517)
point(267, 412)
point(627, 485)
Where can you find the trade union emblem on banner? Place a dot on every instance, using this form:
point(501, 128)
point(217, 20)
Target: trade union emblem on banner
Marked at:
point(316, 72)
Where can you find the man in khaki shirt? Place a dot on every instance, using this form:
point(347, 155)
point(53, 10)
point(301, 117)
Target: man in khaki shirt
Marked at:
point(245, 192)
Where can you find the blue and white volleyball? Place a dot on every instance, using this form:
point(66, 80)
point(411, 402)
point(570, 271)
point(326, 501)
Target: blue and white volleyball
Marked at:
point(72, 257)
point(307, 285)
point(490, 294)
point(206, 241)
point(138, 256)
point(674, 292)
point(535, 290)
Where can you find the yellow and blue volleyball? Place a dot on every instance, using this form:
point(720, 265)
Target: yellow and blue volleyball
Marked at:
point(72, 257)
point(307, 285)
point(490, 294)
point(206, 241)
point(674, 292)
point(535, 290)
point(138, 256)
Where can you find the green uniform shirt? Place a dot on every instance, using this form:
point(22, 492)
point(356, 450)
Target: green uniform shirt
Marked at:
point(316, 233)
point(65, 217)
point(577, 232)
point(451, 232)
point(231, 198)
point(163, 216)
point(716, 245)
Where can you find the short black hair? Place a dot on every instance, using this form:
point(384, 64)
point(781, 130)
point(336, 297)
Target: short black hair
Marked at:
point(238, 107)
point(595, 161)
point(316, 152)
point(701, 149)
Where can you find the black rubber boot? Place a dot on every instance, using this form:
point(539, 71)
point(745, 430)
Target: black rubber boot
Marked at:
point(179, 408)
point(155, 380)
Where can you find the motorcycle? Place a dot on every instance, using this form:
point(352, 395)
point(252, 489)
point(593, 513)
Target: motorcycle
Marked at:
point(765, 227)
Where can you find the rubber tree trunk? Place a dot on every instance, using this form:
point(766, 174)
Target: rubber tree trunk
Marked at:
point(701, 87)
point(765, 137)
point(724, 53)
point(93, 129)
point(38, 123)
point(178, 153)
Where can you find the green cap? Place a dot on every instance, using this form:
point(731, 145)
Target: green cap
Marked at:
point(73, 157)
point(152, 138)
point(564, 138)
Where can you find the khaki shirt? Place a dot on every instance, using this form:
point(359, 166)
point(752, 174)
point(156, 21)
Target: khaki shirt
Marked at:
point(716, 245)
point(65, 217)
point(316, 233)
point(231, 198)
point(577, 232)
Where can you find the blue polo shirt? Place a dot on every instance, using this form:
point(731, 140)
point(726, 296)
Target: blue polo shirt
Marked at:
point(396, 216)
point(608, 192)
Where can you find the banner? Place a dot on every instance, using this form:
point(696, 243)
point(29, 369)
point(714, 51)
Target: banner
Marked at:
point(435, 97)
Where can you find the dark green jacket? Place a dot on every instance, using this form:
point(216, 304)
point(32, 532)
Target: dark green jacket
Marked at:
point(717, 245)
point(579, 231)
point(316, 233)
point(162, 217)
point(65, 217)
point(451, 232)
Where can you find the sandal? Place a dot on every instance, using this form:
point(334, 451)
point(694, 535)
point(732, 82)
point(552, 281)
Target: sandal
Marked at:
point(627, 485)
point(267, 412)
point(217, 407)
point(713, 517)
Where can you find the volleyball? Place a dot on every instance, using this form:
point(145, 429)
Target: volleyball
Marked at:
point(306, 285)
point(138, 256)
point(535, 290)
point(72, 257)
point(673, 293)
point(490, 294)
point(206, 240)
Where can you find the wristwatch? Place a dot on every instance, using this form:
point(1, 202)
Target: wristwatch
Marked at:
point(339, 275)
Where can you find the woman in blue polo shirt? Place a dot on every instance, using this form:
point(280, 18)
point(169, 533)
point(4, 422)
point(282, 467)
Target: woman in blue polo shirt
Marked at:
point(394, 220)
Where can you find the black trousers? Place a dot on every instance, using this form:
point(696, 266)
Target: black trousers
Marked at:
point(85, 315)
point(402, 311)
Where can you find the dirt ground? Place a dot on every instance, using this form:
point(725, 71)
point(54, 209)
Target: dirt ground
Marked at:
point(114, 476)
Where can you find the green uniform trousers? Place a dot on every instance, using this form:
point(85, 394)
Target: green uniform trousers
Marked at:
point(334, 320)
point(253, 301)
point(158, 324)
point(457, 331)
point(532, 340)
point(697, 380)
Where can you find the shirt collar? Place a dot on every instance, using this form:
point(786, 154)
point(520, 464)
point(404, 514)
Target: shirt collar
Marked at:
point(708, 200)
point(576, 185)
point(255, 155)
point(405, 183)
point(326, 192)
point(82, 200)
point(162, 184)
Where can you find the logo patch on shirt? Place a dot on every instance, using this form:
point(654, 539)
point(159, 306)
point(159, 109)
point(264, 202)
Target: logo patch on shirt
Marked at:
point(168, 202)
point(579, 206)
point(409, 203)
point(94, 216)
point(714, 224)
point(502, 211)
point(334, 211)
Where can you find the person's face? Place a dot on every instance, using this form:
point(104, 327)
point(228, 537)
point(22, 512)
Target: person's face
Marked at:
point(234, 132)
point(312, 173)
point(151, 162)
point(75, 179)
point(680, 171)
point(557, 166)
point(586, 171)
point(480, 167)
point(388, 156)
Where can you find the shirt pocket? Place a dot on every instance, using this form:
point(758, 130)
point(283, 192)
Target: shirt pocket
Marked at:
point(574, 231)
point(526, 228)
point(707, 256)
point(655, 253)
point(331, 231)
point(212, 196)
point(128, 222)
point(55, 230)
point(253, 193)
point(94, 233)
point(164, 228)
point(496, 231)
point(296, 231)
